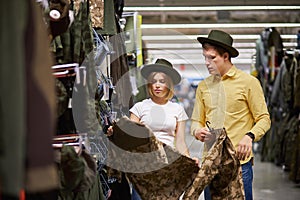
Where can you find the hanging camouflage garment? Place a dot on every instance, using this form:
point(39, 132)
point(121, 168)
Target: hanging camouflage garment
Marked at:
point(286, 91)
point(74, 45)
point(297, 84)
point(97, 13)
point(27, 102)
point(221, 170)
point(109, 26)
point(295, 165)
point(156, 173)
point(289, 142)
point(79, 179)
point(61, 97)
point(288, 82)
point(278, 107)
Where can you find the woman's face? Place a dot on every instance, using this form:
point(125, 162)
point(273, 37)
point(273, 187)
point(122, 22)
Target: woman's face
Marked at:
point(159, 85)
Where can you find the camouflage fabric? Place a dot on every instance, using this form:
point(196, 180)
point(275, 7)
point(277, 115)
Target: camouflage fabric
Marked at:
point(279, 139)
point(81, 31)
point(61, 97)
point(78, 175)
point(289, 142)
point(169, 181)
point(288, 83)
point(97, 13)
point(77, 171)
point(156, 172)
point(134, 147)
point(297, 85)
point(135, 135)
point(27, 110)
point(295, 165)
point(77, 42)
point(221, 170)
point(109, 26)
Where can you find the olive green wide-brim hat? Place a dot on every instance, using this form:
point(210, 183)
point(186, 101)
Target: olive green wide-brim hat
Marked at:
point(161, 65)
point(222, 39)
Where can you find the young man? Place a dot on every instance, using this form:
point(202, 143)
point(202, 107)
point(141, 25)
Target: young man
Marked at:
point(232, 99)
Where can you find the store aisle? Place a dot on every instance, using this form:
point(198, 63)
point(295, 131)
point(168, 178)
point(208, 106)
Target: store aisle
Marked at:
point(272, 183)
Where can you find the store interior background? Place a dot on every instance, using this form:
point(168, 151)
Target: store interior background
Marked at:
point(170, 29)
point(171, 33)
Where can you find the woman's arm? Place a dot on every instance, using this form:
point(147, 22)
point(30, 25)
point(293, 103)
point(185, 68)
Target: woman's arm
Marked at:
point(134, 118)
point(180, 139)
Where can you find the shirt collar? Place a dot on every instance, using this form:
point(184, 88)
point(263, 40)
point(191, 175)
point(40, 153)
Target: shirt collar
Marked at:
point(231, 72)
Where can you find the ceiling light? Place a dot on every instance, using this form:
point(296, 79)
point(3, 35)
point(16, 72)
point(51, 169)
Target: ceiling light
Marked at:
point(193, 37)
point(227, 25)
point(196, 45)
point(210, 8)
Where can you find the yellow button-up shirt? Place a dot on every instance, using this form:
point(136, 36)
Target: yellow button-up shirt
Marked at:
point(234, 101)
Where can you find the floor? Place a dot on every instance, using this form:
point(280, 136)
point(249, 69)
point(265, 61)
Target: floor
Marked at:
point(270, 181)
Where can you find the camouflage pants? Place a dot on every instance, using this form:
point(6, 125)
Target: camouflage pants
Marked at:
point(221, 170)
point(156, 172)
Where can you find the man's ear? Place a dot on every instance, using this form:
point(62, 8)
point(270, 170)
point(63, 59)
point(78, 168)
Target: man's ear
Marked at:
point(226, 56)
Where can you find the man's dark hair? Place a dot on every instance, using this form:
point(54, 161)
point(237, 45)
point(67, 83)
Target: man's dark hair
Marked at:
point(219, 49)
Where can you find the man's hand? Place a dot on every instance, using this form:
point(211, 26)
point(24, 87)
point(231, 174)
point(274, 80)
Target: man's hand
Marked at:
point(244, 148)
point(202, 134)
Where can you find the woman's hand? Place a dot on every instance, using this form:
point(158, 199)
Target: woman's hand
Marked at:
point(110, 131)
point(196, 160)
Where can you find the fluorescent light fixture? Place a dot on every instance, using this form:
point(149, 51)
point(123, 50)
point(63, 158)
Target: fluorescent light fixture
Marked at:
point(194, 37)
point(210, 8)
point(228, 25)
point(200, 60)
point(196, 45)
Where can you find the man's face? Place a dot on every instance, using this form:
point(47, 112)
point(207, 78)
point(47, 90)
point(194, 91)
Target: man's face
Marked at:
point(213, 60)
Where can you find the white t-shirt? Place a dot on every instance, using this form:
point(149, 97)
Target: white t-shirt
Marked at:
point(161, 119)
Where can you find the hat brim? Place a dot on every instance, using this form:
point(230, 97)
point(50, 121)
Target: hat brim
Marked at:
point(146, 70)
point(232, 51)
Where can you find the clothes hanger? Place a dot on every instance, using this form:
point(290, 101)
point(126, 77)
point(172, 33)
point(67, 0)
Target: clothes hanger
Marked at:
point(74, 140)
point(65, 70)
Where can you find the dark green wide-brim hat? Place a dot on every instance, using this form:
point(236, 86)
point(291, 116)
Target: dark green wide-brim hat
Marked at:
point(161, 65)
point(222, 39)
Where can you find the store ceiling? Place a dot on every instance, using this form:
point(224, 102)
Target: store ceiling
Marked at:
point(186, 53)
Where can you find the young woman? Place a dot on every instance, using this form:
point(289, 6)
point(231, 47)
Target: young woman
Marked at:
point(165, 118)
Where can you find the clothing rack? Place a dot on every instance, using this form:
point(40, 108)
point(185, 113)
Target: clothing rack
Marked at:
point(292, 51)
point(74, 140)
point(65, 70)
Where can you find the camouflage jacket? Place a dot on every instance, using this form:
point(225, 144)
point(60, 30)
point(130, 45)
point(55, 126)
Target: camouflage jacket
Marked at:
point(79, 179)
